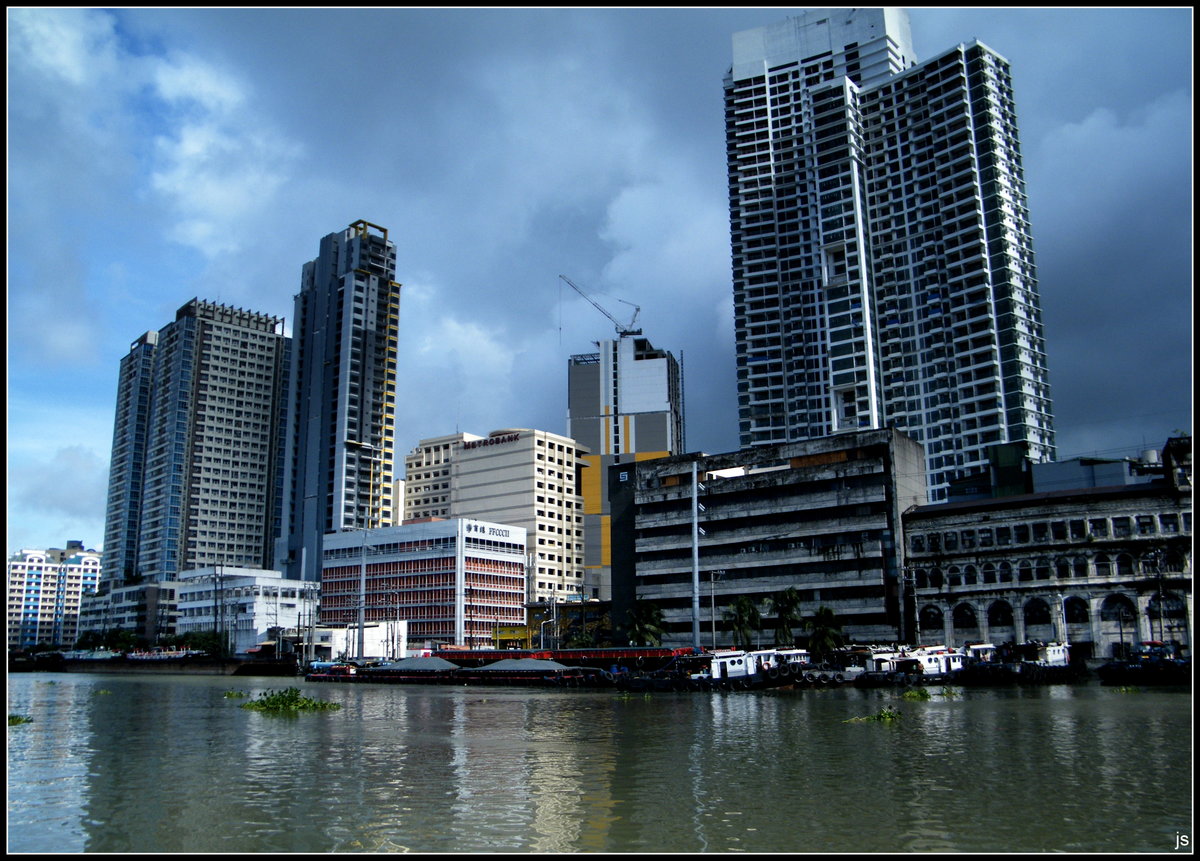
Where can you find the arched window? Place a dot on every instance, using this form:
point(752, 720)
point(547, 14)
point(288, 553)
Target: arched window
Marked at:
point(935, 578)
point(1103, 565)
point(931, 618)
point(1000, 615)
point(964, 617)
point(989, 573)
point(1005, 572)
point(953, 576)
point(1041, 571)
point(1081, 567)
point(970, 576)
point(1076, 609)
point(1062, 568)
point(1117, 608)
point(1024, 571)
point(1124, 565)
point(1037, 612)
point(922, 579)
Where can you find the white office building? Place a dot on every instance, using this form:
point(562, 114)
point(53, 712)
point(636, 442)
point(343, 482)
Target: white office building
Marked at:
point(519, 476)
point(449, 581)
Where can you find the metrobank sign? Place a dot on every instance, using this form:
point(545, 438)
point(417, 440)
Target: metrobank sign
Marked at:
point(492, 440)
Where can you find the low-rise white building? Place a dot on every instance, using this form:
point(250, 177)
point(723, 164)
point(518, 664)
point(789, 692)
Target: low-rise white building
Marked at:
point(246, 605)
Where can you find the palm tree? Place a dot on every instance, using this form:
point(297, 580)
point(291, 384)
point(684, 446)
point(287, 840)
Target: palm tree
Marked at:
point(785, 607)
point(744, 619)
point(645, 625)
point(825, 634)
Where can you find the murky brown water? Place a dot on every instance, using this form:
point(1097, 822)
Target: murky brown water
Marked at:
point(170, 765)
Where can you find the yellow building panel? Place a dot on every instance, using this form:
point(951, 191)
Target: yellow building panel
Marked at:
point(589, 484)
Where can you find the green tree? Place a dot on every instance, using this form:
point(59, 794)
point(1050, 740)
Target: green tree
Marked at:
point(89, 640)
point(744, 619)
point(785, 607)
point(645, 624)
point(120, 640)
point(824, 633)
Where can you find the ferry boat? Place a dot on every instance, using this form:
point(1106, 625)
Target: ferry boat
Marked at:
point(919, 665)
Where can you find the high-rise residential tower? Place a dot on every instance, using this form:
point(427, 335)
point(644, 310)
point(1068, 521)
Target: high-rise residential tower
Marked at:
point(342, 407)
point(882, 260)
point(197, 453)
point(624, 404)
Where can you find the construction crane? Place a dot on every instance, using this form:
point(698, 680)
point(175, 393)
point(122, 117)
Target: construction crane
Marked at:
point(621, 330)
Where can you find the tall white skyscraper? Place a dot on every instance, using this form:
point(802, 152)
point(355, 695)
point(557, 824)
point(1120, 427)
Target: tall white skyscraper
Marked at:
point(342, 409)
point(882, 260)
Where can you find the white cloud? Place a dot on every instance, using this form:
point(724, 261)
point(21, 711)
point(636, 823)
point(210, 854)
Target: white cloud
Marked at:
point(71, 46)
point(218, 166)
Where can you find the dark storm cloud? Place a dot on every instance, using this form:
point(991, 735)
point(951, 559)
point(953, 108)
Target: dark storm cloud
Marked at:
point(157, 155)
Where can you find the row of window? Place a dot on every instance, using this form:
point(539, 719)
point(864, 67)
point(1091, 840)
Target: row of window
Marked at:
point(1043, 532)
point(1062, 568)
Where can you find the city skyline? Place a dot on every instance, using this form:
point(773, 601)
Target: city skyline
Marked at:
point(589, 143)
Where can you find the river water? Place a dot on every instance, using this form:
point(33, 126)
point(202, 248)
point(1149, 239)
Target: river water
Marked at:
point(169, 764)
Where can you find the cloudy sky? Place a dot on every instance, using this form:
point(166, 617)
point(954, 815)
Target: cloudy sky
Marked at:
point(161, 155)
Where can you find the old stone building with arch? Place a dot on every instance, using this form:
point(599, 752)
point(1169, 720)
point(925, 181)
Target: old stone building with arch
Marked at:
point(1100, 568)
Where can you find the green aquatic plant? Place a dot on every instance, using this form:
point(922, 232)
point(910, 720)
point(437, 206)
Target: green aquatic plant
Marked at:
point(917, 694)
point(233, 695)
point(289, 701)
point(948, 693)
point(16, 720)
point(101, 691)
point(1127, 689)
point(887, 714)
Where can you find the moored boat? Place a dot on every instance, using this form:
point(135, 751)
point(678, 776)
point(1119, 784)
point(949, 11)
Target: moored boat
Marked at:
point(1153, 663)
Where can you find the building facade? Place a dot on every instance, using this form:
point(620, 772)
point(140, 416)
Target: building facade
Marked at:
point(342, 404)
point(148, 610)
point(519, 476)
point(882, 259)
point(245, 606)
point(624, 404)
point(1101, 568)
point(821, 516)
point(452, 581)
point(45, 589)
point(197, 450)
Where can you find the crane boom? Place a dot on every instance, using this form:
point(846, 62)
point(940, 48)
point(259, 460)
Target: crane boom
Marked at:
point(621, 329)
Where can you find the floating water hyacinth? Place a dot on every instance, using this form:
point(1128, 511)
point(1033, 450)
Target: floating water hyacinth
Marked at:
point(289, 701)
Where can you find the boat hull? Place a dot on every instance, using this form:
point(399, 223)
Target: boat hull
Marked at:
point(191, 666)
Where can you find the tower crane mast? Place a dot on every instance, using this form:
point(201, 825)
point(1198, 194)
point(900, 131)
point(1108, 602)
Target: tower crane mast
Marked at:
point(622, 330)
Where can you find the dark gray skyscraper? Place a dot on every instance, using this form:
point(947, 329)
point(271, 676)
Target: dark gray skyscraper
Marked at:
point(342, 408)
point(882, 259)
point(197, 445)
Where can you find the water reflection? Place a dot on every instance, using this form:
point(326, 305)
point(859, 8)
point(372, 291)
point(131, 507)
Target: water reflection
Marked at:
point(170, 765)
